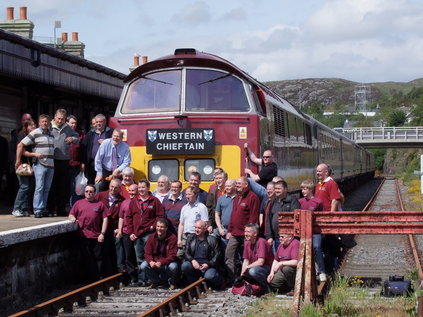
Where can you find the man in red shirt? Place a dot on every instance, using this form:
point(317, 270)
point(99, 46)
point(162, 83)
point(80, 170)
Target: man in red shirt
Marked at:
point(141, 218)
point(282, 274)
point(91, 216)
point(258, 257)
point(327, 189)
point(160, 264)
point(114, 256)
point(246, 209)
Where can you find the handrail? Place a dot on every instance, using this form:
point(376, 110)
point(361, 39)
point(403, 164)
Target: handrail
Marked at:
point(383, 133)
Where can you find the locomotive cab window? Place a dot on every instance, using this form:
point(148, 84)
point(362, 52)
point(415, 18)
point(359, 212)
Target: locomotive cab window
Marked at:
point(208, 90)
point(156, 92)
point(203, 166)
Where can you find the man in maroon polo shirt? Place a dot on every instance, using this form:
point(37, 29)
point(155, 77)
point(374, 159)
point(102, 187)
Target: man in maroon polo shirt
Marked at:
point(113, 247)
point(143, 212)
point(258, 258)
point(91, 216)
point(246, 209)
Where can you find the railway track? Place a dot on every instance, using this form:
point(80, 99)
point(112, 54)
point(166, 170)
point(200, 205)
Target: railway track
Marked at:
point(376, 257)
point(107, 298)
point(386, 253)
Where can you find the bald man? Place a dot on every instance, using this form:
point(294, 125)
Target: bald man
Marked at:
point(327, 189)
point(202, 256)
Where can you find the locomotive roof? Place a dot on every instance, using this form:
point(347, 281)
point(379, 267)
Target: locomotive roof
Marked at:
point(192, 57)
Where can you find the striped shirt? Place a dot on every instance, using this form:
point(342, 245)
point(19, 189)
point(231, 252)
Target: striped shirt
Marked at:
point(43, 143)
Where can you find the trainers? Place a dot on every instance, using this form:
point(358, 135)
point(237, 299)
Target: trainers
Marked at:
point(18, 213)
point(38, 215)
point(152, 286)
point(172, 287)
point(322, 277)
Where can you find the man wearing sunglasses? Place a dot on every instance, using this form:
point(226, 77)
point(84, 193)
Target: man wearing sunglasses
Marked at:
point(268, 171)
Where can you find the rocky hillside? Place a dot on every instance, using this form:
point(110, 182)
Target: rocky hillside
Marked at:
point(330, 91)
point(400, 160)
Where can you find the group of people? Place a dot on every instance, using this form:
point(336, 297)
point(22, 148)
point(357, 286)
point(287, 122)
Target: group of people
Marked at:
point(57, 152)
point(171, 236)
point(168, 236)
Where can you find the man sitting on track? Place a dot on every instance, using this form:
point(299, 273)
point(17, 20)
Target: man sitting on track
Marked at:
point(282, 273)
point(202, 256)
point(258, 257)
point(160, 264)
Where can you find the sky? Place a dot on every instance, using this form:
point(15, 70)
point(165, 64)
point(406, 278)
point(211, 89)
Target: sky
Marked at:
point(359, 40)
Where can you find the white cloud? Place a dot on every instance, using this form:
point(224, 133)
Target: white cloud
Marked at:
point(193, 14)
point(236, 14)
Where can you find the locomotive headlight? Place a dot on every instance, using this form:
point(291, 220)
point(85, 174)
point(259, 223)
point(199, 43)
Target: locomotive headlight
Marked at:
point(207, 169)
point(156, 169)
point(170, 168)
point(204, 166)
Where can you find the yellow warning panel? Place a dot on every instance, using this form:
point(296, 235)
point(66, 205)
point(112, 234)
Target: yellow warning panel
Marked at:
point(242, 132)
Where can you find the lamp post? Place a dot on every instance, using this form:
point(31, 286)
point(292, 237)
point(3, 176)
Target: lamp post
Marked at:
point(57, 25)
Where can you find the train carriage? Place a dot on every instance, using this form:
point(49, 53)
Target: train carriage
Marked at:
point(194, 111)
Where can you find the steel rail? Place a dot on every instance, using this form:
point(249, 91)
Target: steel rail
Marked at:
point(411, 237)
point(180, 301)
point(373, 198)
point(323, 286)
point(52, 306)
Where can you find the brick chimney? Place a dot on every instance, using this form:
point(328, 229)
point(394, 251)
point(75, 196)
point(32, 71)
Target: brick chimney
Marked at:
point(136, 63)
point(74, 47)
point(21, 26)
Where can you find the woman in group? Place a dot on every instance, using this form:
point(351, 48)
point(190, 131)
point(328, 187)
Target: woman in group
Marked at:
point(26, 182)
point(91, 216)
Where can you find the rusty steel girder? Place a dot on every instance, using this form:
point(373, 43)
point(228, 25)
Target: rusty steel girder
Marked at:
point(303, 223)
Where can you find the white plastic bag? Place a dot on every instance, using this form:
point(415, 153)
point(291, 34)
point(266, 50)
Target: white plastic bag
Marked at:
point(80, 183)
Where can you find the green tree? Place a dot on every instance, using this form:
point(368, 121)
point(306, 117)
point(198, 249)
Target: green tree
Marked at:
point(397, 118)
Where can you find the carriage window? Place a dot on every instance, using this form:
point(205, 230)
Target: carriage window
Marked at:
point(208, 90)
point(156, 92)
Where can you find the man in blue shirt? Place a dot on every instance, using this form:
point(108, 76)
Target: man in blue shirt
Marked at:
point(112, 157)
point(224, 210)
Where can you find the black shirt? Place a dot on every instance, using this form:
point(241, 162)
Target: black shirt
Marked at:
point(267, 173)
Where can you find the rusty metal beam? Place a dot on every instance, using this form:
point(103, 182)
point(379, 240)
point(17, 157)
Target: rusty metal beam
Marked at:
point(359, 228)
point(358, 216)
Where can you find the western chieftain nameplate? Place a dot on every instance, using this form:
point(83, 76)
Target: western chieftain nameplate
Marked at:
point(180, 141)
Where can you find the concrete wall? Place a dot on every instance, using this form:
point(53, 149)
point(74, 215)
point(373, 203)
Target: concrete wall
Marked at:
point(44, 260)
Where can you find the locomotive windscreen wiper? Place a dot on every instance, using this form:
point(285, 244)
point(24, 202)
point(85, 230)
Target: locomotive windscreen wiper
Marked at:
point(214, 79)
point(159, 81)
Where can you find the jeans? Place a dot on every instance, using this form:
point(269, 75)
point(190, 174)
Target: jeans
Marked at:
point(224, 241)
point(275, 245)
point(26, 183)
point(43, 178)
point(318, 253)
point(258, 275)
point(211, 274)
point(120, 253)
point(168, 273)
point(257, 189)
point(139, 245)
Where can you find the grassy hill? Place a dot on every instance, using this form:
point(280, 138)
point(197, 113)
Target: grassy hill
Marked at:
point(332, 91)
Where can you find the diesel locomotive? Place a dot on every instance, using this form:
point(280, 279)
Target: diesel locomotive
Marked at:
point(195, 111)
